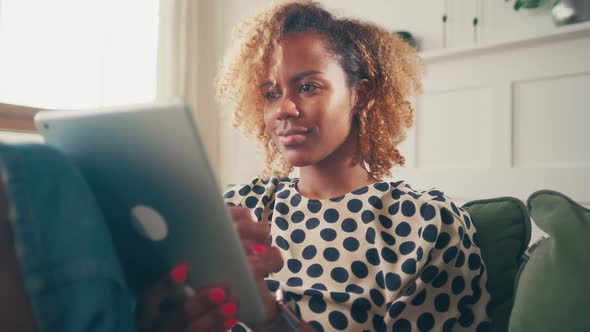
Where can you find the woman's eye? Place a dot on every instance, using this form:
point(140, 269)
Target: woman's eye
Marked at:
point(306, 88)
point(270, 95)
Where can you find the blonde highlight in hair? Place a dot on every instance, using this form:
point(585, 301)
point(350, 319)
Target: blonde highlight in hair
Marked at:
point(392, 68)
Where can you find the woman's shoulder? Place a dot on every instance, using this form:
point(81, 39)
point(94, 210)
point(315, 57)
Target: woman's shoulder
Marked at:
point(255, 190)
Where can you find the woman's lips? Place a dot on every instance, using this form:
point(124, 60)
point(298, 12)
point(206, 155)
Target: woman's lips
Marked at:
point(293, 137)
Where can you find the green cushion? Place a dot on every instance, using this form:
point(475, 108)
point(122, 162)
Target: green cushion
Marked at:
point(552, 293)
point(504, 230)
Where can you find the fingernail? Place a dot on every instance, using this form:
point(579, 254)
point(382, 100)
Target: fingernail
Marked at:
point(217, 295)
point(228, 309)
point(230, 323)
point(179, 273)
point(258, 248)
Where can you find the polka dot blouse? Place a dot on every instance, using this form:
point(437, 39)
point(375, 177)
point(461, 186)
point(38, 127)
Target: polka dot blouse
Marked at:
point(384, 257)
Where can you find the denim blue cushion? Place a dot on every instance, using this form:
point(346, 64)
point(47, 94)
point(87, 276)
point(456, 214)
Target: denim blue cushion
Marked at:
point(67, 258)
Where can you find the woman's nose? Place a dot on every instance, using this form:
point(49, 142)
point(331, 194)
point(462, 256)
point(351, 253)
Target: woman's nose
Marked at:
point(287, 109)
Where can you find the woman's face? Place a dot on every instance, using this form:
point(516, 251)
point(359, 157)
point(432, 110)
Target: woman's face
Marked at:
point(308, 104)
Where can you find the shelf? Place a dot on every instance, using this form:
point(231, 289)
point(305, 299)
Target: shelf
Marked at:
point(566, 32)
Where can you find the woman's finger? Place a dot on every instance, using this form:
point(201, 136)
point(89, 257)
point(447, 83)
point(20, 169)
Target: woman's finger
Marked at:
point(253, 231)
point(267, 262)
point(240, 214)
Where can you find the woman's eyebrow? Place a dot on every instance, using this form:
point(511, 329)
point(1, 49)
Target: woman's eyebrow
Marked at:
point(293, 79)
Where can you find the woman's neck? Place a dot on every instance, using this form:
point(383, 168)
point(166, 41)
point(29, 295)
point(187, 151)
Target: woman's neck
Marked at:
point(340, 173)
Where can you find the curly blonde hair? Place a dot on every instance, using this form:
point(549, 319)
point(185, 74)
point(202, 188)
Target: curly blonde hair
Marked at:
point(365, 51)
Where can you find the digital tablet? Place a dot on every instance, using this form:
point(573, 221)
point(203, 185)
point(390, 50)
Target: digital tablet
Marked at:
point(151, 177)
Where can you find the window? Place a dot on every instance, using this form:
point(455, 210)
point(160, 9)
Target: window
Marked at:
point(78, 53)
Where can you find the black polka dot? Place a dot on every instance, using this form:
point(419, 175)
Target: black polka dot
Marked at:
point(380, 279)
point(349, 225)
point(458, 285)
point(316, 325)
point(298, 236)
point(396, 309)
point(403, 229)
point(339, 274)
point(430, 233)
point(367, 216)
point(282, 243)
point(272, 285)
point(331, 254)
point(229, 194)
point(450, 254)
point(476, 289)
point(331, 215)
point(443, 240)
point(427, 211)
point(409, 266)
point(238, 328)
point(393, 281)
point(328, 234)
point(282, 208)
point(446, 216)
point(410, 289)
point(442, 302)
point(355, 205)
point(284, 194)
point(385, 222)
point(281, 223)
point(337, 199)
point(408, 208)
point(402, 325)
point(466, 319)
point(476, 239)
point(419, 298)
point(474, 262)
point(258, 213)
point(319, 286)
point(396, 193)
point(313, 292)
point(466, 242)
point(251, 202)
point(359, 269)
point(352, 288)
point(351, 244)
point(258, 189)
point(317, 305)
point(441, 279)
point(297, 217)
point(265, 200)
point(372, 256)
point(393, 209)
point(245, 190)
point(361, 191)
point(429, 273)
point(314, 205)
point(461, 232)
point(460, 259)
point(377, 297)
point(338, 320)
point(294, 282)
point(382, 186)
point(294, 265)
point(425, 322)
point(339, 297)
point(388, 255)
point(312, 223)
point(388, 238)
point(467, 221)
point(407, 247)
point(376, 202)
point(378, 323)
point(455, 209)
point(315, 271)
point(309, 252)
point(295, 200)
point(464, 303)
point(359, 310)
point(370, 235)
point(449, 325)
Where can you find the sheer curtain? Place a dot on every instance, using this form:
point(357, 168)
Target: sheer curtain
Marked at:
point(187, 63)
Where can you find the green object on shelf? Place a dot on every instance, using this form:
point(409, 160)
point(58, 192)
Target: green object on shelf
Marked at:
point(528, 4)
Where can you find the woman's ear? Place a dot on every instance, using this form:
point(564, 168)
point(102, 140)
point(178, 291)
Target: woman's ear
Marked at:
point(361, 95)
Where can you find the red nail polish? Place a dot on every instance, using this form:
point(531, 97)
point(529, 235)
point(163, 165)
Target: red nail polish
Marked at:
point(217, 295)
point(228, 309)
point(258, 248)
point(179, 273)
point(230, 323)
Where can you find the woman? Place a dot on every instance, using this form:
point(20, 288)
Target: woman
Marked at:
point(330, 97)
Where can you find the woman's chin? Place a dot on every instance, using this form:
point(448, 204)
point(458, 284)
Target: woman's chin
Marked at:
point(297, 159)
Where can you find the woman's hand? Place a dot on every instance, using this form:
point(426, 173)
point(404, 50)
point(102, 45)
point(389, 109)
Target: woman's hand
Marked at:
point(164, 307)
point(262, 258)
